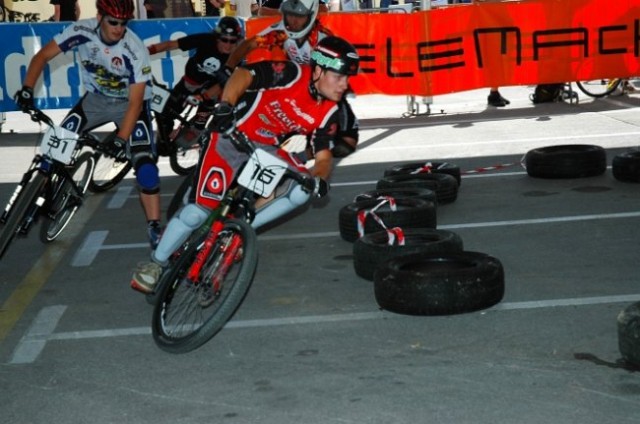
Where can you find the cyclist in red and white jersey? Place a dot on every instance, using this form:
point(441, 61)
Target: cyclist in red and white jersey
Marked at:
point(265, 100)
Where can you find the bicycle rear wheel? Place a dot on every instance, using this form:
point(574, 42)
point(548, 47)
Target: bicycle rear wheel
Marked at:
point(22, 205)
point(181, 195)
point(65, 201)
point(598, 88)
point(184, 160)
point(188, 314)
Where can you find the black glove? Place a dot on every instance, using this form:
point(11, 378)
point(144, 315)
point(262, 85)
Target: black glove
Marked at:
point(321, 188)
point(24, 99)
point(224, 118)
point(223, 75)
point(120, 148)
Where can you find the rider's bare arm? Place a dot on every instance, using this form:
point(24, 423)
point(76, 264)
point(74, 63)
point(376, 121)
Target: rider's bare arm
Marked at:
point(163, 46)
point(241, 51)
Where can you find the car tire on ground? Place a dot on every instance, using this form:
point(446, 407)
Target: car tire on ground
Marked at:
point(433, 167)
point(372, 250)
point(439, 283)
point(626, 166)
point(398, 193)
point(566, 161)
point(409, 212)
point(444, 185)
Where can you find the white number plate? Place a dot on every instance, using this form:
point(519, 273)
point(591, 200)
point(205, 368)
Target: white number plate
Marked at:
point(59, 143)
point(262, 173)
point(159, 97)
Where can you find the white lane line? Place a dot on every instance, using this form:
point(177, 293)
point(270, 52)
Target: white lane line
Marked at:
point(41, 331)
point(543, 220)
point(120, 197)
point(95, 240)
point(89, 249)
point(33, 342)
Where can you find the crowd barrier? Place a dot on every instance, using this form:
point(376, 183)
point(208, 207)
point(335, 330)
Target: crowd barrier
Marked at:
point(422, 53)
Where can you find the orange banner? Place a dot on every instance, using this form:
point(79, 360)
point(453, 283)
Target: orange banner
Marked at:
point(464, 47)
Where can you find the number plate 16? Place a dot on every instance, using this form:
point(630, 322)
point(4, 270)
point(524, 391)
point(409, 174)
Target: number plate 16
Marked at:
point(262, 173)
point(59, 143)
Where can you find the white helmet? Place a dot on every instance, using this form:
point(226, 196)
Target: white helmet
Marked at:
point(307, 8)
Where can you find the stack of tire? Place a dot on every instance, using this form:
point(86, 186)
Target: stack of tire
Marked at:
point(579, 161)
point(419, 269)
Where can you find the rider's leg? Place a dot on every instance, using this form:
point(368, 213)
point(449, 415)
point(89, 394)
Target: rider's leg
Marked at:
point(289, 196)
point(188, 219)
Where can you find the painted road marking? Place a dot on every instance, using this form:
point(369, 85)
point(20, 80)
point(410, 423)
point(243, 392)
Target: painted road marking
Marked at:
point(21, 297)
point(94, 242)
point(41, 331)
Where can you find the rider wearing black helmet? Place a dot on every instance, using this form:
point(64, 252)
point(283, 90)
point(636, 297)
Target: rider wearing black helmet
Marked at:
point(294, 37)
point(113, 92)
point(264, 100)
point(201, 72)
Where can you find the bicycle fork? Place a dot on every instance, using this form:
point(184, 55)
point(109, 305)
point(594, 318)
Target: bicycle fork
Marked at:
point(229, 251)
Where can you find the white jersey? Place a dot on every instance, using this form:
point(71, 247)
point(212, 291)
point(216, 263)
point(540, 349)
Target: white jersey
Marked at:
point(107, 69)
point(276, 35)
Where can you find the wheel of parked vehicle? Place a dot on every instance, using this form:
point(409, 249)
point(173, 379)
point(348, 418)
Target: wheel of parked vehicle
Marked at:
point(626, 166)
point(629, 334)
point(444, 185)
point(439, 283)
point(566, 161)
point(371, 215)
point(425, 167)
point(372, 250)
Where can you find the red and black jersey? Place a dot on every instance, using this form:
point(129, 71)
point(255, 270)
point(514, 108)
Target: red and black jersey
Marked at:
point(279, 102)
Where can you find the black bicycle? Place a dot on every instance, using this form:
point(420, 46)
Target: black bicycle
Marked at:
point(209, 276)
point(54, 186)
point(184, 142)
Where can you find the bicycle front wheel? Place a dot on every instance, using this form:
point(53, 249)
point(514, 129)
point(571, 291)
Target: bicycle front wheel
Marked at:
point(108, 172)
point(65, 201)
point(598, 88)
point(189, 313)
point(22, 205)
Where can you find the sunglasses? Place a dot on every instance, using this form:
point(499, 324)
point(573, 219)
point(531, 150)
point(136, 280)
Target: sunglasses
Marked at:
point(228, 40)
point(115, 22)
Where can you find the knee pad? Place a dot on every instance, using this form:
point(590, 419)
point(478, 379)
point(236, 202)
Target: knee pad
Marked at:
point(291, 199)
point(193, 215)
point(178, 230)
point(147, 175)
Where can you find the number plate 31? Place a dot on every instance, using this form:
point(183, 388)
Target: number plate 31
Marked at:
point(59, 143)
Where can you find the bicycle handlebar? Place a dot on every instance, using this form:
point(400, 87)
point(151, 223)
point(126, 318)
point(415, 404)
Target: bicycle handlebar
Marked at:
point(242, 143)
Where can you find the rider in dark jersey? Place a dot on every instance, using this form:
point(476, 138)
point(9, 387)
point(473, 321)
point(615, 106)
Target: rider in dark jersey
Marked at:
point(265, 101)
point(202, 71)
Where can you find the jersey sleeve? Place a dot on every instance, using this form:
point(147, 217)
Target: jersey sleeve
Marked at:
point(193, 41)
point(323, 137)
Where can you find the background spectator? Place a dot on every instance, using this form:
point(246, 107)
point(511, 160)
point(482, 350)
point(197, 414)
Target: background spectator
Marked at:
point(244, 8)
point(212, 7)
point(65, 10)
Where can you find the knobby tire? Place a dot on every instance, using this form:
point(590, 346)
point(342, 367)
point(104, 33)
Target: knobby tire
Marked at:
point(65, 201)
point(108, 172)
point(25, 200)
point(187, 315)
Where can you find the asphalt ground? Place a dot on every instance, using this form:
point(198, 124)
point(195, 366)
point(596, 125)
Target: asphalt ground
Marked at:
point(309, 344)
